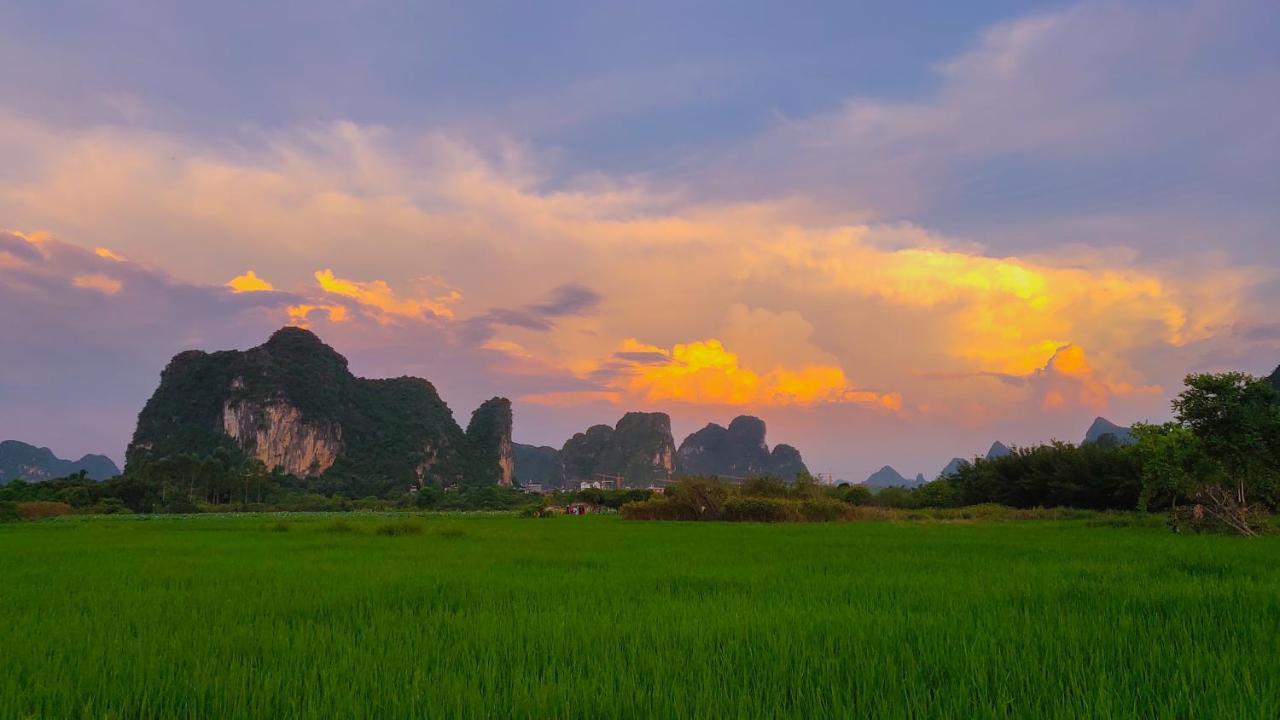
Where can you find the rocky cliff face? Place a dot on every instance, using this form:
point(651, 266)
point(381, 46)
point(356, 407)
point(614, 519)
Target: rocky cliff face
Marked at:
point(275, 433)
point(489, 434)
point(293, 404)
point(639, 448)
point(20, 461)
point(739, 450)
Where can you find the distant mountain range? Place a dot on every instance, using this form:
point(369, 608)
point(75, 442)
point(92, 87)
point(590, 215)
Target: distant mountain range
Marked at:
point(20, 461)
point(1102, 430)
point(887, 477)
point(640, 449)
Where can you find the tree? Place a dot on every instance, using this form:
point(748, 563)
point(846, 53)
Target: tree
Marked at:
point(1223, 454)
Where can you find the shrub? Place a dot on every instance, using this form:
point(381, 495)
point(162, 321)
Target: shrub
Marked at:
point(339, 526)
point(658, 509)
point(404, 527)
point(109, 506)
point(38, 509)
point(760, 509)
point(451, 533)
point(823, 510)
point(8, 511)
point(280, 526)
point(854, 494)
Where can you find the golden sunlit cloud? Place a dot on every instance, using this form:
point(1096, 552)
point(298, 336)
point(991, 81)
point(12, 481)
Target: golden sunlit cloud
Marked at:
point(249, 282)
point(831, 302)
point(1069, 380)
point(107, 254)
point(705, 372)
point(35, 238)
point(299, 314)
point(102, 283)
point(379, 295)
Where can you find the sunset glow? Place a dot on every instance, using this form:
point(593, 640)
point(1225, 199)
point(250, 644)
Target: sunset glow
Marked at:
point(982, 232)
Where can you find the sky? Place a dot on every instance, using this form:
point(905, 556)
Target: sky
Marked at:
point(895, 231)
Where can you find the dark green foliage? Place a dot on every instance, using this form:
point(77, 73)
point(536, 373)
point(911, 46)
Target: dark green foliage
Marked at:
point(391, 429)
point(392, 433)
point(1091, 476)
point(736, 451)
point(760, 509)
point(1221, 458)
point(762, 499)
point(581, 452)
point(539, 465)
point(488, 441)
point(853, 494)
point(614, 499)
point(639, 449)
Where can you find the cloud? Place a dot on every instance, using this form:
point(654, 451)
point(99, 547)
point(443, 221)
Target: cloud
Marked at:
point(567, 300)
point(249, 282)
point(1069, 380)
point(985, 232)
point(104, 284)
point(378, 295)
point(705, 372)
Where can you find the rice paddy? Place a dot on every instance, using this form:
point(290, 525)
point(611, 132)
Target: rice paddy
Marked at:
point(315, 616)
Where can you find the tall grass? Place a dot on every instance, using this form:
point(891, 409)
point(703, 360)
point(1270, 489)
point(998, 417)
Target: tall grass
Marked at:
point(601, 618)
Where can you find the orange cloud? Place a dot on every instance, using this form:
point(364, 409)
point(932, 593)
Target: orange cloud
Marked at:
point(705, 372)
point(1068, 379)
point(249, 282)
point(107, 254)
point(102, 283)
point(379, 295)
point(299, 314)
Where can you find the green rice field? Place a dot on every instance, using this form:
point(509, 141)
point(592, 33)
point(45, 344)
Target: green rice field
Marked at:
point(372, 616)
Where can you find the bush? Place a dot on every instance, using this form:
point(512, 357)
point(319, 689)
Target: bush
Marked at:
point(339, 526)
point(39, 509)
point(823, 510)
point(760, 509)
point(853, 494)
point(281, 526)
point(658, 509)
point(109, 506)
point(8, 511)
